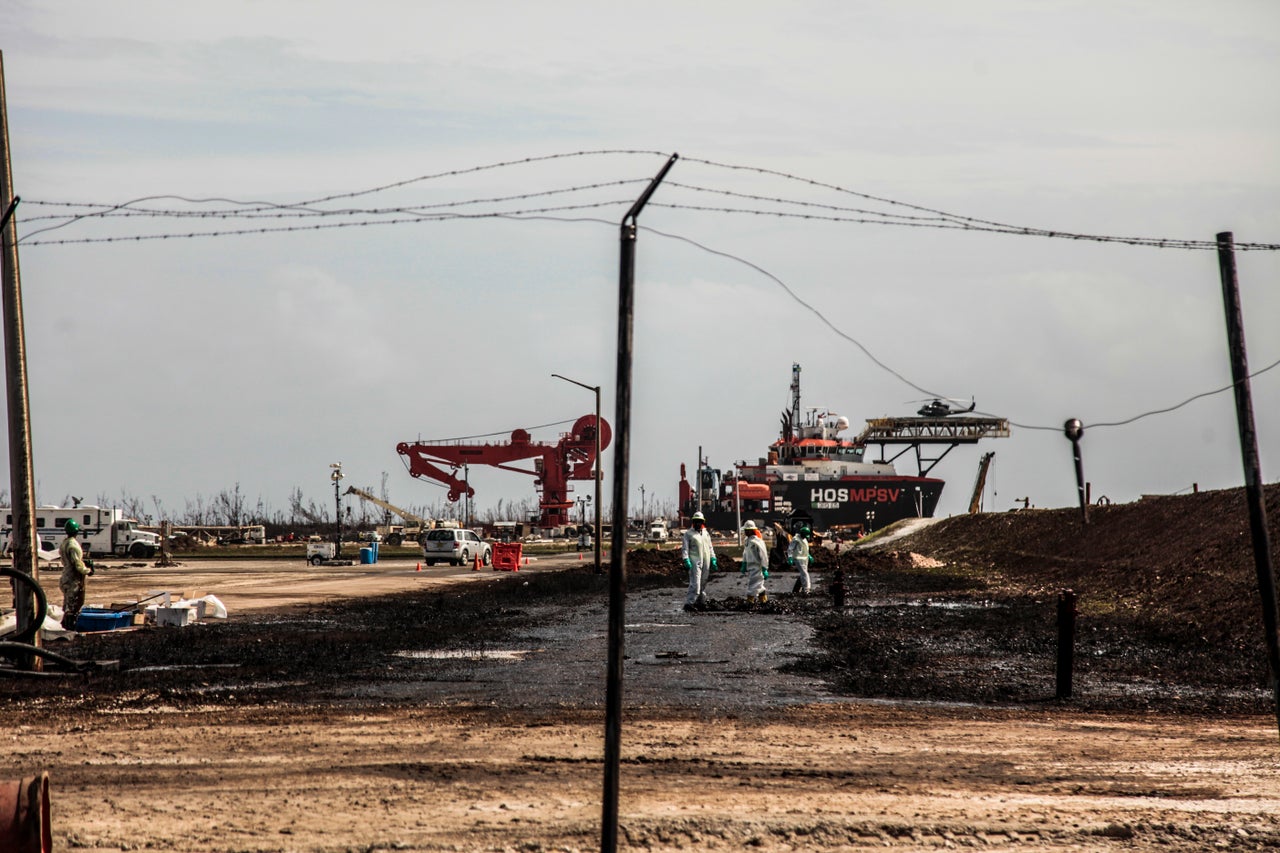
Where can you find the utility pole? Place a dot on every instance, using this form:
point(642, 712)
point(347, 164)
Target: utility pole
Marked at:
point(21, 475)
point(1249, 455)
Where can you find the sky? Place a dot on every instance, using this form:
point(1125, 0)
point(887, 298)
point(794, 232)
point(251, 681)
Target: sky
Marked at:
point(817, 141)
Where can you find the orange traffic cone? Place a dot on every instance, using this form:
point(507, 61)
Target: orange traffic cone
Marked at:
point(419, 566)
point(475, 564)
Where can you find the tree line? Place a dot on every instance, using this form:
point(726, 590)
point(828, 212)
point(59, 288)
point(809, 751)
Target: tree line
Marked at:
point(302, 514)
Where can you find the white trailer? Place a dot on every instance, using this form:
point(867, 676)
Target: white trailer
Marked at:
point(103, 530)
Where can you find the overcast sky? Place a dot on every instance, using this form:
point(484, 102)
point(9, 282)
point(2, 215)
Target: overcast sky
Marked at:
point(183, 367)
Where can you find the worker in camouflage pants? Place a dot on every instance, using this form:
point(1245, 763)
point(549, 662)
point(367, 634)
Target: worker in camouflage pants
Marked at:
point(75, 568)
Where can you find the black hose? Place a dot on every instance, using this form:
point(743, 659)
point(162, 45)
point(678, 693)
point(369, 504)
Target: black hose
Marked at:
point(42, 603)
point(10, 649)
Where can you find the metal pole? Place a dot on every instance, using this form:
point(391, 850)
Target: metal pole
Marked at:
point(599, 567)
point(599, 476)
point(618, 552)
point(1073, 430)
point(1249, 456)
point(21, 470)
point(737, 500)
point(336, 476)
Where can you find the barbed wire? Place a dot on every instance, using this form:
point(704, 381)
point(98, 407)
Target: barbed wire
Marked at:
point(330, 225)
point(933, 218)
point(1001, 227)
point(300, 210)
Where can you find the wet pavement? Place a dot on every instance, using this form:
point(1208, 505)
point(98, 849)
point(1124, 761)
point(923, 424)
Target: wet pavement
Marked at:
point(718, 661)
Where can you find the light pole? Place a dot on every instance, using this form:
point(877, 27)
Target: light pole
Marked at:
point(596, 388)
point(336, 476)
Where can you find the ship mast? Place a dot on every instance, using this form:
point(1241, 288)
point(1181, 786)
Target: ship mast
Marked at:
point(795, 398)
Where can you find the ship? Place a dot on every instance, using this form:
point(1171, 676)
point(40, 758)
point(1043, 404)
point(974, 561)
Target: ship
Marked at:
point(815, 477)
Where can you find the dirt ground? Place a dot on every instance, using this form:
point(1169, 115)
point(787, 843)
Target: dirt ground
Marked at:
point(384, 708)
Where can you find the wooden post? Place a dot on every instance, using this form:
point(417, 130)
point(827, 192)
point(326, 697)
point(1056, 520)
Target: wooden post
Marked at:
point(1066, 642)
point(1249, 454)
point(21, 477)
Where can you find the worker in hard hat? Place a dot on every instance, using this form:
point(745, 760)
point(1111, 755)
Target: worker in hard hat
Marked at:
point(75, 568)
point(755, 562)
point(699, 559)
point(798, 558)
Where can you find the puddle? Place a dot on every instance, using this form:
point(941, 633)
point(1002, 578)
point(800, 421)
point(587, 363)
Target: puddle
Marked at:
point(174, 666)
point(470, 654)
point(916, 602)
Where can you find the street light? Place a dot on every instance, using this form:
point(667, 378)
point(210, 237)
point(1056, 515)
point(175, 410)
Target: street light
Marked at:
point(596, 389)
point(871, 520)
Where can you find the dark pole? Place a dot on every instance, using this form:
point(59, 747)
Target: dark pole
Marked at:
point(1249, 456)
point(618, 550)
point(336, 476)
point(1074, 429)
point(599, 478)
point(21, 476)
point(599, 567)
point(1066, 642)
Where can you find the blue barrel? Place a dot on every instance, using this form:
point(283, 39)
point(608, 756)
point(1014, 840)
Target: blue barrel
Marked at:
point(366, 556)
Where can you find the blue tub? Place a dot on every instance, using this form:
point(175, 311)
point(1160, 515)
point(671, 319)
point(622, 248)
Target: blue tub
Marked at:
point(96, 619)
point(366, 556)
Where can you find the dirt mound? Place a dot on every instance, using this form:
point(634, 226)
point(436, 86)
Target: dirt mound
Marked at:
point(1184, 560)
point(1168, 608)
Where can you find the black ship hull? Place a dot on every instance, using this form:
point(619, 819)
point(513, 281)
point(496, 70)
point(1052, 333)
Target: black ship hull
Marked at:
point(853, 504)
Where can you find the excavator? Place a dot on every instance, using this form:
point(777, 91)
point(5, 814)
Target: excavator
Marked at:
point(395, 534)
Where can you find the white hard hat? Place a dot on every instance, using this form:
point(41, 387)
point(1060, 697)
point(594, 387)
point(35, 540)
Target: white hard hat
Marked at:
point(697, 516)
point(750, 525)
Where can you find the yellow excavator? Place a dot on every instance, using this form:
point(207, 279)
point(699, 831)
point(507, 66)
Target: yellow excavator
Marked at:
point(395, 534)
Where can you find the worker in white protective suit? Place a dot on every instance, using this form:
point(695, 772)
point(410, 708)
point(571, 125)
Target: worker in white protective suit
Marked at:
point(798, 558)
point(699, 559)
point(755, 562)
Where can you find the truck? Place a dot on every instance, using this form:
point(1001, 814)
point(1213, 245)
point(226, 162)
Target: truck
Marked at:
point(658, 531)
point(103, 530)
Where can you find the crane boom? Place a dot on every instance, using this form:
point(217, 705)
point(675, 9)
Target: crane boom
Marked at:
point(983, 464)
point(403, 513)
point(571, 458)
point(417, 520)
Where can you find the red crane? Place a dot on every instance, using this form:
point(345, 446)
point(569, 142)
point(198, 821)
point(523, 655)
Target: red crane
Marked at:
point(571, 458)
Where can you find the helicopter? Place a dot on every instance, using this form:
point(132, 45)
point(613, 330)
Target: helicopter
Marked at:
point(940, 408)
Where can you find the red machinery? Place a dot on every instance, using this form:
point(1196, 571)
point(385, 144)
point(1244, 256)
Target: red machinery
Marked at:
point(571, 458)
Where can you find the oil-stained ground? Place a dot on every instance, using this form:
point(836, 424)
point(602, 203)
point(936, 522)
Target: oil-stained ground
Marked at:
point(923, 713)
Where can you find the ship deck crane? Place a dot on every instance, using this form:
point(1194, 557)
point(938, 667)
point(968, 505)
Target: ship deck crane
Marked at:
point(394, 537)
point(554, 465)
